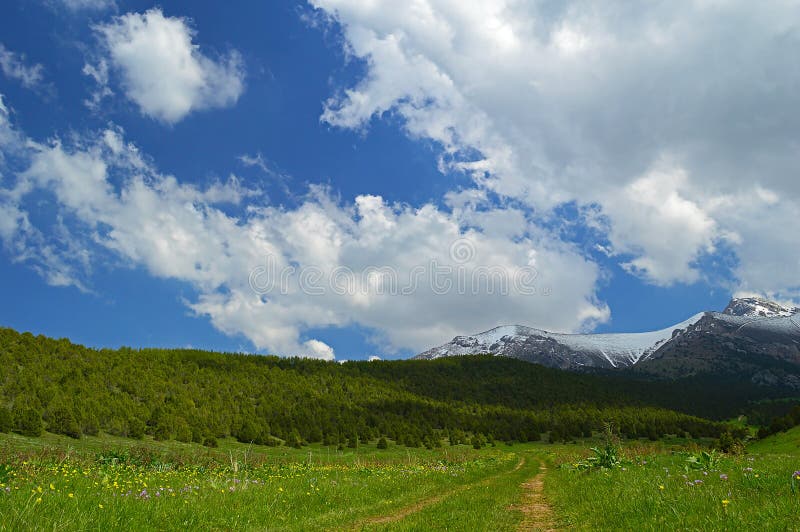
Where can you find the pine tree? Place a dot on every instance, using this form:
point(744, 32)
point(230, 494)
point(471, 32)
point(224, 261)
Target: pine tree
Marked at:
point(28, 422)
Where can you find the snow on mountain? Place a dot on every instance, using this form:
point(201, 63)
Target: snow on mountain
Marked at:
point(751, 317)
point(757, 307)
point(561, 350)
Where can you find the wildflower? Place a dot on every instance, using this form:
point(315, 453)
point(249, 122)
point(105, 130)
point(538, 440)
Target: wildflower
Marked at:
point(661, 487)
point(38, 500)
point(71, 496)
point(725, 503)
point(748, 470)
point(100, 506)
point(796, 475)
point(723, 476)
point(698, 482)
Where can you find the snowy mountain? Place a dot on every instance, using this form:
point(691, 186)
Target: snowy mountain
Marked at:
point(757, 307)
point(744, 321)
point(751, 338)
point(566, 351)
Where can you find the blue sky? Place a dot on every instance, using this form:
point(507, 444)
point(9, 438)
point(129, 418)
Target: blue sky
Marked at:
point(332, 134)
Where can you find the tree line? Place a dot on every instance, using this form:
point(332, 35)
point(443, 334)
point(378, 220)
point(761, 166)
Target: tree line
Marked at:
point(201, 396)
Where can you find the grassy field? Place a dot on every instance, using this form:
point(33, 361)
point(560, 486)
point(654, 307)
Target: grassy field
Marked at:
point(103, 483)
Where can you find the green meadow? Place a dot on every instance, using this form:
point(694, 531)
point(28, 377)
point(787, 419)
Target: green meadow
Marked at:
point(100, 483)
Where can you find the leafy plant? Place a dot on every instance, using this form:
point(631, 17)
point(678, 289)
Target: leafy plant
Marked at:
point(702, 461)
point(608, 456)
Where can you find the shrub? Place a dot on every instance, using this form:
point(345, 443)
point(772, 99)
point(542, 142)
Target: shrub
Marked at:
point(136, 428)
point(61, 420)
point(28, 422)
point(702, 461)
point(6, 420)
point(606, 457)
point(729, 443)
point(382, 443)
point(162, 432)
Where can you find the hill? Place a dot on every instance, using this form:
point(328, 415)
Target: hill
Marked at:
point(781, 443)
point(192, 395)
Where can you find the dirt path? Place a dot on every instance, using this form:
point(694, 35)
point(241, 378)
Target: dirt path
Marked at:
point(424, 503)
point(537, 513)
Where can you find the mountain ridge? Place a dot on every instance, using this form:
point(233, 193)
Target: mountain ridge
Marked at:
point(748, 322)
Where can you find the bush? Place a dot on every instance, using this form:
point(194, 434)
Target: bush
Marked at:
point(162, 432)
point(28, 422)
point(382, 443)
point(211, 441)
point(136, 428)
point(90, 425)
point(293, 440)
point(729, 443)
point(608, 456)
point(6, 420)
point(61, 420)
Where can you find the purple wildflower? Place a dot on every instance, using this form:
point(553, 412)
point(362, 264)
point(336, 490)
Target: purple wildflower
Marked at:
point(698, 482)
point(723, 476)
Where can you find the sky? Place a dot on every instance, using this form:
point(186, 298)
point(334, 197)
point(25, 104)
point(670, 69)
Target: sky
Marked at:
point(345, 179)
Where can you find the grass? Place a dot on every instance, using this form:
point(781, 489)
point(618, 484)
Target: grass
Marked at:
point(782, 443)
point(659, 491)
point(103, 483)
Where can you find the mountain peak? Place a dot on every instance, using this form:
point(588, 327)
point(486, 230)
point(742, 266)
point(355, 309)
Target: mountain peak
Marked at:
point(757, 307)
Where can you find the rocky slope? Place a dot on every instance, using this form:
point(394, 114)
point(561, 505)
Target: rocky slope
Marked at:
point(758, 337)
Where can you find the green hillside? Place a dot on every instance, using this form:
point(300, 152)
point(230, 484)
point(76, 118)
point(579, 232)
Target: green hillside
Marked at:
point(781, 443)
point(191, 395)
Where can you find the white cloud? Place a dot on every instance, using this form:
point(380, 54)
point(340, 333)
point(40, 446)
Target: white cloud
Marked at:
point(15, 66)
point(654, 221)
point(163, 71)
point(99, 73)
point(94, 5)
point(577, 101)
point(114, 202)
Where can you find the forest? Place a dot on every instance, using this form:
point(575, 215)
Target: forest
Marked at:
point(200, 396)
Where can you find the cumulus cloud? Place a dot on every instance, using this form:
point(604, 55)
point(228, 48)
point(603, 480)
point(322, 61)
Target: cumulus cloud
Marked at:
point(15, 66)
point(369, 262)
point(576, 101)
point(163, 71)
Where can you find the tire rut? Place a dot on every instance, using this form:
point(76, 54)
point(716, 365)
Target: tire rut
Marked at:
point(538, 515)
point(424, 503)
